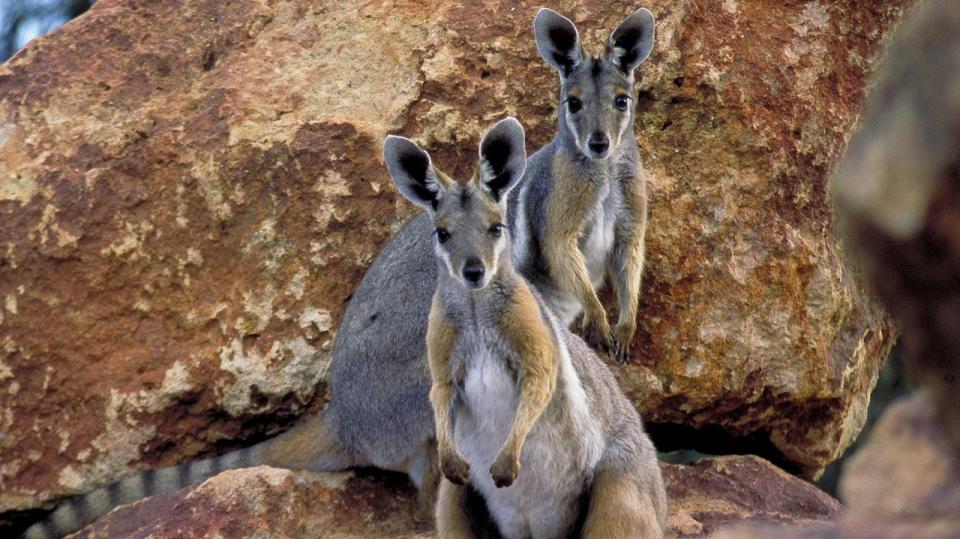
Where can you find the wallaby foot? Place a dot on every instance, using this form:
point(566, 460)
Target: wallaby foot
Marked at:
point(505, 469)
point(623, 341)
point(618, 508)
point(454, 466)
point(453, 517)
point(427, 494)
point(596, 331)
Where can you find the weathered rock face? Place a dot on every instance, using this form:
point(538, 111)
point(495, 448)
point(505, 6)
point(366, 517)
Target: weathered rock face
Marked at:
point(899, 187)
point(905, 482)
point(714, 492)
point(899, 191)
point(190, 192)
point(258, 501)
point(906, 478)
point(269, 502)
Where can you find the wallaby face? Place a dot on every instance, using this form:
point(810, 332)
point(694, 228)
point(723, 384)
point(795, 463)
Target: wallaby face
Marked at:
point(596, 98)
point(470, 234)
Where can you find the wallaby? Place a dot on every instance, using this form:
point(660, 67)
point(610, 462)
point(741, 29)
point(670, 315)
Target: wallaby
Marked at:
point(580, 214)
point(543, 427)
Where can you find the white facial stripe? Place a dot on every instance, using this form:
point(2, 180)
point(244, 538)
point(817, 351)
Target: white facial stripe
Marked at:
point(573, 131)
point(445, 256)
point(625, 122)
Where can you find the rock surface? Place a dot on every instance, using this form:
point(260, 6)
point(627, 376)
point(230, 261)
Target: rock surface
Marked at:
point(266, 501)
point(899, 192)
point(190, 192)
point(905, 482)
point(714, 492)
point(269, 502)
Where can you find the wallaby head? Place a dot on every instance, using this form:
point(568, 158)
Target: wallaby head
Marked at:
point(470, 236)
point(596, 93)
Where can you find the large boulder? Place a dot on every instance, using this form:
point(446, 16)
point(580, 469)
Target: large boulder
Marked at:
point(898, 188)
point(711, 493)
point(189, 193)
point(267, 502)
point(905, 482)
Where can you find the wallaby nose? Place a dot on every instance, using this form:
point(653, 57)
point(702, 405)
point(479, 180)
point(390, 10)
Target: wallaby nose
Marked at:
point(598, 142)
point(473, 270)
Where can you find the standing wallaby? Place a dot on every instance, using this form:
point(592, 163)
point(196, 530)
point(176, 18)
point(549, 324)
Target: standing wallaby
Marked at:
point(543, 427)
point(581, 214)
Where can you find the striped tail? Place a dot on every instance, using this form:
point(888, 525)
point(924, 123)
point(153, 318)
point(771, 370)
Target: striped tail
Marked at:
point(309, 445)
point(77, 512)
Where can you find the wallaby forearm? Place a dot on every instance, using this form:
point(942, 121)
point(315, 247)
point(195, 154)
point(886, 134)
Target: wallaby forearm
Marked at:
point(525, 328)
point(569, 269)
point(627, 273)
point(568, 207)
point(441, 335)
point(629, 248)
point(536, 390)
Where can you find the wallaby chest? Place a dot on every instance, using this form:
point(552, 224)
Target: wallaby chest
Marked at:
point(487, 390)
point(543, 500)
point(599, 230)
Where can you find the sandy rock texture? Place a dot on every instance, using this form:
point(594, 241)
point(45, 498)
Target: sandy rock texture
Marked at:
point(189, 193)
point(262, 501)
point(270, 502)
point(714, 492)
point(899, 192)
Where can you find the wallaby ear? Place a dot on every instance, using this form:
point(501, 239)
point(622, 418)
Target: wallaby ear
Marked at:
point(631, 43)
point(558, 41)
point(503, 158)
point(412, 171)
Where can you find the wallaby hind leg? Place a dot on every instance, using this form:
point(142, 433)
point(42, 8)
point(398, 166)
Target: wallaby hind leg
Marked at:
point(453, 515)
point(424, 470)
point(619, 508)
point(462, 513)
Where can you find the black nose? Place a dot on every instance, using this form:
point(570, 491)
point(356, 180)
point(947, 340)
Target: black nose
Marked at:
point(473, 270)
point(598, 142)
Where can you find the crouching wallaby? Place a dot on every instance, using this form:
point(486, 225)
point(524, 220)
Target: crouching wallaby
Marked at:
point(544, 430)
point(579, 216)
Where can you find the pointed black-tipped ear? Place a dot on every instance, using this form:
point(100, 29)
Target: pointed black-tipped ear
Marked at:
point(412, 171)
point(631, 43)
point(503, 158)
point(558, 41)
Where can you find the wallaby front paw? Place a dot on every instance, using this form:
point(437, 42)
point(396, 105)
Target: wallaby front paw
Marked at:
point(505, 470)
point(596, 331)
point(455, 468)
point(623, 342)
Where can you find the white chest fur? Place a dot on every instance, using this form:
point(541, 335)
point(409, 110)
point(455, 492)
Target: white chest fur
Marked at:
point(596, 240)
point(559, 454)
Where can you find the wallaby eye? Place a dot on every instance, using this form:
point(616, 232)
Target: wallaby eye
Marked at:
point(574, 104)
point(621, 101)
point(442, 235)
point(496, 230)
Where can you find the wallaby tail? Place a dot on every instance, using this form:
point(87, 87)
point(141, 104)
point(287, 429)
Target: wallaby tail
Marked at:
point(309, 445)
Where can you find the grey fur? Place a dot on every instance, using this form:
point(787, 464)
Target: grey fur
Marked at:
point(588, 427)
point(379, 413)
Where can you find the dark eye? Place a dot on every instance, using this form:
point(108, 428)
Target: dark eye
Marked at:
point(621, 102)
point(496, 230)
point(442, 235)
point(574, 104)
